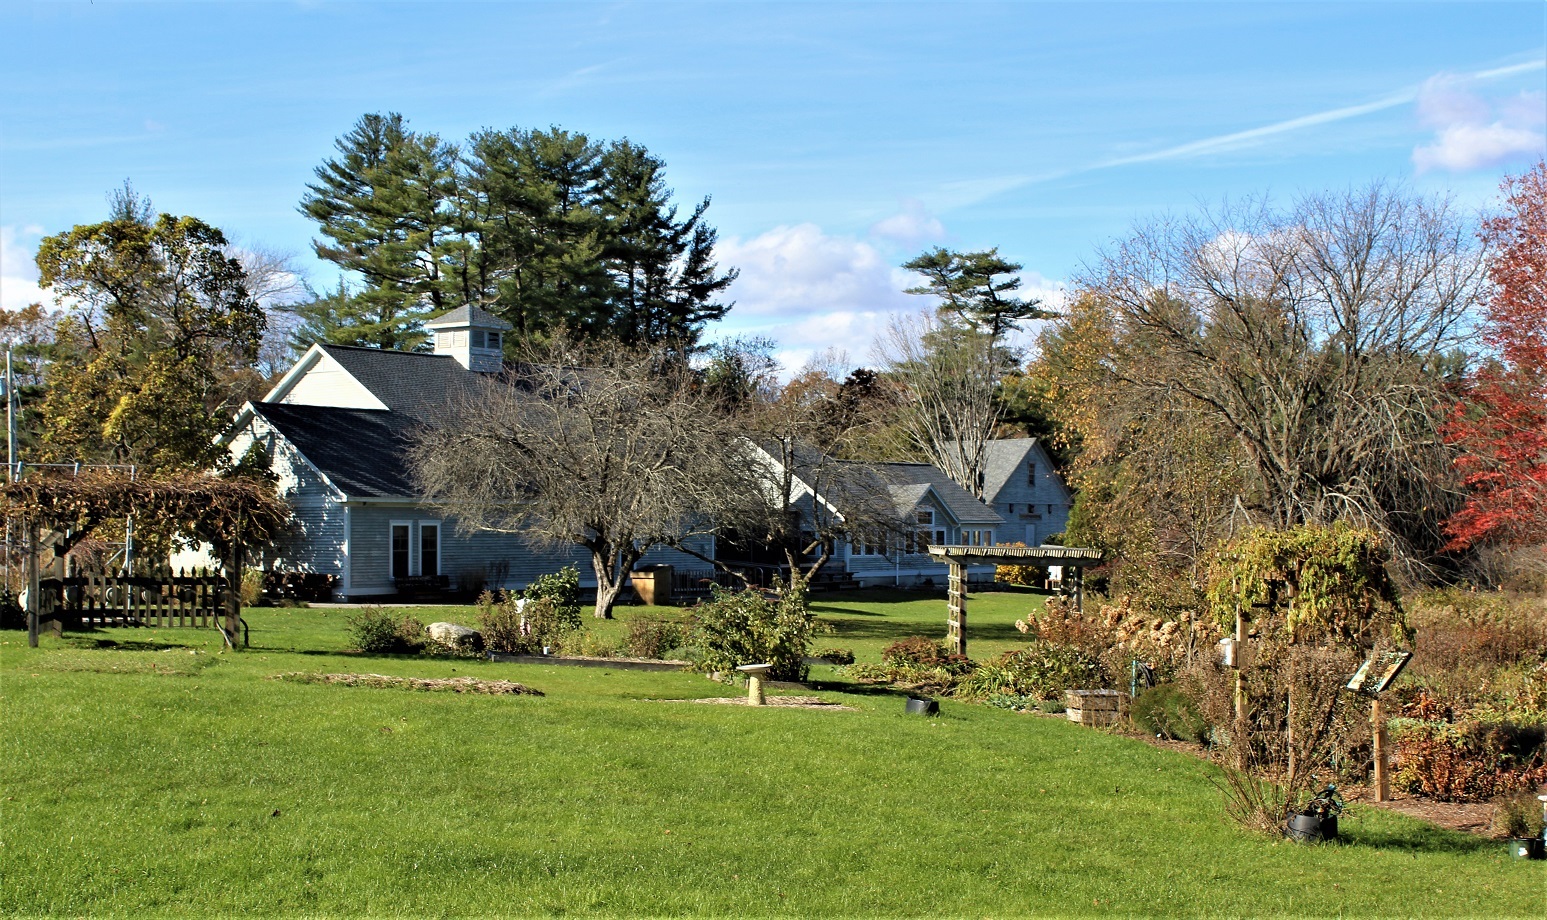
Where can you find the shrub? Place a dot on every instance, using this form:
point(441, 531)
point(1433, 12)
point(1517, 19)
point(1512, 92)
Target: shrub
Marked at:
point(1517, 815)
point(1467, 760)
point(590, 644)
point(1170, 712)
point(524, 626)
point(1026, 575)
point(252, 587)
point(1042, 671)
point(835, 655)
point(375, 631)
point(736, 628)
point(562, 588)
point(923, 652)
point(652, 637)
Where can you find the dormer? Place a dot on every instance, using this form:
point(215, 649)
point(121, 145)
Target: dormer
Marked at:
point(474, 337)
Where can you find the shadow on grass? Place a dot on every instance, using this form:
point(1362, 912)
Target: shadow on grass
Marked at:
point(127, 645)
point(1424, 838)
point(1001, 632)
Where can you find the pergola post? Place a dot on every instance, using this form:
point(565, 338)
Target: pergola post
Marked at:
point(34, 582)
point(956, 621)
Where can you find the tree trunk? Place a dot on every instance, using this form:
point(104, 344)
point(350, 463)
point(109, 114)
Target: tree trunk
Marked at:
point(608, 584)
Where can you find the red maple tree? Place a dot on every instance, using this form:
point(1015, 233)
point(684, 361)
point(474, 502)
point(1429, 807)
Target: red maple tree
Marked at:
point(1500, 425)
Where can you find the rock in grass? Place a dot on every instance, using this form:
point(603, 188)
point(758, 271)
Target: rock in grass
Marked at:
point(457, 638)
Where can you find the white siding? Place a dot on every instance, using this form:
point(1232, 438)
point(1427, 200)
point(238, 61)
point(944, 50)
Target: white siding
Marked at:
point(498, 560)
point(326, 383)
point(1048, 502)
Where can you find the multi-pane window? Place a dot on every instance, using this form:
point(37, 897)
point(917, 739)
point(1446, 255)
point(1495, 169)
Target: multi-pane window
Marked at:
point(429, 549)
point(1031, 474)
point(400, 538)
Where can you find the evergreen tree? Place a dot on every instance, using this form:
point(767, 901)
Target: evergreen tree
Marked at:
point(978, 287)
point(547, 229)
point(388, 206)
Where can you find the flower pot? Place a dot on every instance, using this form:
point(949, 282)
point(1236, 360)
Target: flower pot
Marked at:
point(1528, 848)
point(922, 706)
point(1311, 828)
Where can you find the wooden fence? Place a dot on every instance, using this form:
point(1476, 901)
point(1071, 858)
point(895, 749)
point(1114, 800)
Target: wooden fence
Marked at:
point(155, 598)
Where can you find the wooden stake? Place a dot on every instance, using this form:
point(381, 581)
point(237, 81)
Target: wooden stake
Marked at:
point(1242, 743)
point(1378, 733)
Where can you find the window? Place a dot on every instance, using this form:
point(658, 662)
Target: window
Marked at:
point(477, 341)
point(400, 550)
point(926, 516)
point(429, 548)
point(494, 341)
point(1031, 473)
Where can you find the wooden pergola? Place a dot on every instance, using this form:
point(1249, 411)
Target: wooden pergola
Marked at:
point(1074, 559)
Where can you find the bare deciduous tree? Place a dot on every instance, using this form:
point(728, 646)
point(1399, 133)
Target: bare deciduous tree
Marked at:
point(603, 447)
point(1320, 338)
point(949, 372)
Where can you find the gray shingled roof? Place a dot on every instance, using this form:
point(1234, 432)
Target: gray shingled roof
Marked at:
point(961, 503)
point(361, 451)
point(468, 315)
point(1000, 461)
point(418, 385)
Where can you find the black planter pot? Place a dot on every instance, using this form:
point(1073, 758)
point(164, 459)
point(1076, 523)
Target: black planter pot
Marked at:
point(1311, 829)
point(922, 706)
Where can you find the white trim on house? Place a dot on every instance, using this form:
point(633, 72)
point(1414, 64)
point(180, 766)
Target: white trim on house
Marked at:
point(352, 395)
point(408, 563)
point(422, 524)
point(344, 577)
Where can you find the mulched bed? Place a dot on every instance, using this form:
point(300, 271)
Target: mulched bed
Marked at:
point(446, 685)
point(787, 702)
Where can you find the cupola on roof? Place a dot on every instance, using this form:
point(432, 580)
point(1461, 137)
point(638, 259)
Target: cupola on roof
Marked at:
point(472, 336)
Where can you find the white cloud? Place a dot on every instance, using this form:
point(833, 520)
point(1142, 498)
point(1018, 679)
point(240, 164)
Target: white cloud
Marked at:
point(814, 292)
point(18, 270)
point(1472, 132)
point(810, 291)
point(795, 272)
point(912, 226)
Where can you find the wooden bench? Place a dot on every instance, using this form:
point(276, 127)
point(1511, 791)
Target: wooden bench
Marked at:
point(419, 587)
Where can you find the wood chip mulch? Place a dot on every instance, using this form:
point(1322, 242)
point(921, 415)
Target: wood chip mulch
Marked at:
point(447, 684)
point(788, 702)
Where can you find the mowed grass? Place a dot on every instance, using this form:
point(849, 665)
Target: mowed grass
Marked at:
point(147, 772)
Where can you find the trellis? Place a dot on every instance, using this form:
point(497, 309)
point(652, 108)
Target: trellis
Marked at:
point(1075, 559)
point(57, 511)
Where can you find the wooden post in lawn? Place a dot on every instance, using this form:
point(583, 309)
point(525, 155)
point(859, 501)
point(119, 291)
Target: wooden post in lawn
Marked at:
point(1242, 743)
point(1378, 733)
point(233, 598)
point(956, 624)
point(34, 583)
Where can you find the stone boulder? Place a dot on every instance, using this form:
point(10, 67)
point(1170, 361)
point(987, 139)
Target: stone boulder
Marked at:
point(455, 637)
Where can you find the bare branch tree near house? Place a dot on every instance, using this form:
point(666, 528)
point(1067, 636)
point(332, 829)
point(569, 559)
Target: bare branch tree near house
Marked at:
point(782, 485)
point(1322, 339)
point(949, 372)
point(604, 447)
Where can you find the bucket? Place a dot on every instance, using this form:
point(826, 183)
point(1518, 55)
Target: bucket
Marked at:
point(1310, 828)
point(922, 706)
point(1528, 848)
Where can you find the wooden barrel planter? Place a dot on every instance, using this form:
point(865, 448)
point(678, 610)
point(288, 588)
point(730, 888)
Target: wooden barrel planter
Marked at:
point(1095, 707)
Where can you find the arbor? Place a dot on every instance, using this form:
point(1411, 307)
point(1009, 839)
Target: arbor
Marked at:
point(598, 446)
point(1320, 340)
point(547, 229)
point(1500, 426)
point(159, 324)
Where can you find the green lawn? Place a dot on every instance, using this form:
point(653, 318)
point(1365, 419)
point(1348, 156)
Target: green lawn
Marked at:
point(146, 772)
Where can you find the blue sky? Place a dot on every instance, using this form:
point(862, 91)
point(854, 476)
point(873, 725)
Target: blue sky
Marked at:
point(837, 139)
